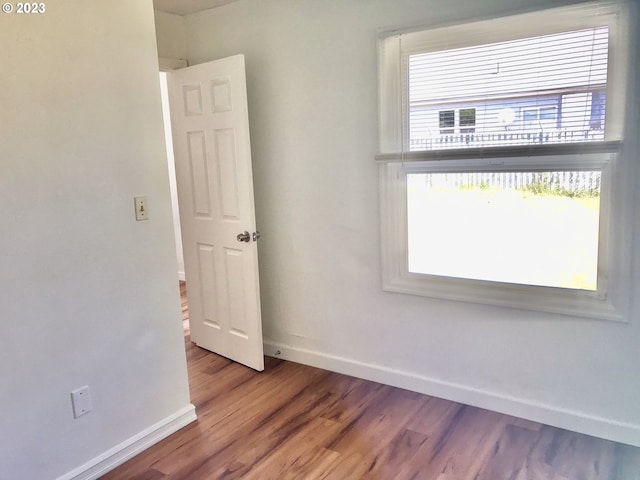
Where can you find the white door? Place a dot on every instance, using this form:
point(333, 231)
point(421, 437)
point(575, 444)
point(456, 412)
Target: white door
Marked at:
point(210, 124)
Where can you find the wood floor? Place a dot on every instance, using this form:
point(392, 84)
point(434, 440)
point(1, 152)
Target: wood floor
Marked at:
point(296, 422)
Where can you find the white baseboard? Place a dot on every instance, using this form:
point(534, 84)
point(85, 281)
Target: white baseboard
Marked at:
point(119, 454)
point(518, 407)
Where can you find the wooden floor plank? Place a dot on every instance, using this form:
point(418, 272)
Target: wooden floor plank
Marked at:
point(293, 422)
point(229, 430)
point(509, 455)
point(313, 465)
point(296, 453)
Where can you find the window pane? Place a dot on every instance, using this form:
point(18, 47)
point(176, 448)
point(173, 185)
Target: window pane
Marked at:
point(447, 119)
point(548, 113)
point(467, 117)
point(529, 116)
point(531, 228)
point(556, 84)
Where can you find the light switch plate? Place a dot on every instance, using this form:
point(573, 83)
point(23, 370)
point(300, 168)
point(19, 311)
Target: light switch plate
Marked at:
point(142, 212)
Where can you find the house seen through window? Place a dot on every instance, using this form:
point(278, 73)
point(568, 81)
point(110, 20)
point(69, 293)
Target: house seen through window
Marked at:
point(535, 90)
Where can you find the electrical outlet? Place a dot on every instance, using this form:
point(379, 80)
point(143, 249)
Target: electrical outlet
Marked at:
point(81, 401)
point(142, 213)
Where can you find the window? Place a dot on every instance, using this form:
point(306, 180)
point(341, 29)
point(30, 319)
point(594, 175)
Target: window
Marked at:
point(467, 120)
point(530, 117)
point(447, 121)
point(598, 100)
point(499, 161)
point(543, 119)
point(548, 113)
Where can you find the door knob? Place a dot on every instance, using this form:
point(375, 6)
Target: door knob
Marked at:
point(244, 237)
point(256, 236)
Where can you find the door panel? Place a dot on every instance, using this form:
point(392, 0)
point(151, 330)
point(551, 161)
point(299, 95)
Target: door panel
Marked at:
point(215, 192)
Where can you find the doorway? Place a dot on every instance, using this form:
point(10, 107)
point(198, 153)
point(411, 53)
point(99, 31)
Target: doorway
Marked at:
point(166, 115)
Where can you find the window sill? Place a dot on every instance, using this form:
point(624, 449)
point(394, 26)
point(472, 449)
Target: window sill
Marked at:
point(576, 303)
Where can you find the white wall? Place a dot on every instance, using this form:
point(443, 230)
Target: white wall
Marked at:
point(89, 296)
point(312, 83)
point(172, 53)
point(171, 39)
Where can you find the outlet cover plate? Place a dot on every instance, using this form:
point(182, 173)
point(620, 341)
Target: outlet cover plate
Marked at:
point(81, 401)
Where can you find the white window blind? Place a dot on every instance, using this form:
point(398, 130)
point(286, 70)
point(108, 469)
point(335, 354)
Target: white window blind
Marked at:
point(544, 82)
point(536, 90)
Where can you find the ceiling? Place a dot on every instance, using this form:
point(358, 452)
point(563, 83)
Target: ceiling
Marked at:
point(185, 7)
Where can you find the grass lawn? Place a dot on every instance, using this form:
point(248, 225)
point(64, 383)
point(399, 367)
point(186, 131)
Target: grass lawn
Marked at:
point(503, 234)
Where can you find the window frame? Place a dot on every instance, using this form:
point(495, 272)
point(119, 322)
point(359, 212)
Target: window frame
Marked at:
point(599, 304)
point(611, 300)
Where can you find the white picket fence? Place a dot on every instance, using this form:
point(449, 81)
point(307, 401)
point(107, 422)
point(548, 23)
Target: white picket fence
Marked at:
point(575, 182)
point(469, 140)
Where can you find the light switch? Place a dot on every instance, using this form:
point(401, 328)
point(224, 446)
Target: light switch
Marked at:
point(141, 208)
